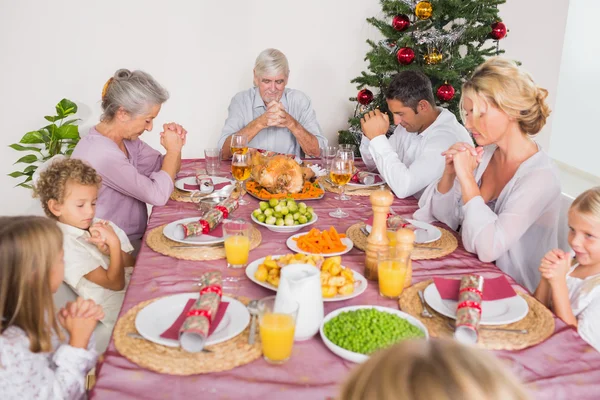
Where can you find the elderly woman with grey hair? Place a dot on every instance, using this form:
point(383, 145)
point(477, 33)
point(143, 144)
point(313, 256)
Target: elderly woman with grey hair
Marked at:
point(272, 116)
point(133, 173)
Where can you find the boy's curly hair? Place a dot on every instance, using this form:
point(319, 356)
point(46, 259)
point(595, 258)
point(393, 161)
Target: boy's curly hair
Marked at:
point(52, 182)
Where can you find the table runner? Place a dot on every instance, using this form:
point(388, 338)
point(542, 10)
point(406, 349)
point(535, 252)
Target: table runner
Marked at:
point(562, 367)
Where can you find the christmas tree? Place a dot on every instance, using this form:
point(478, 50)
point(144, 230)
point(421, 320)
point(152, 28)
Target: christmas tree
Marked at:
point(445, 39)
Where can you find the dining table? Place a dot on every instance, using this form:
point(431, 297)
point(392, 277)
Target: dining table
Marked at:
point(563, 366)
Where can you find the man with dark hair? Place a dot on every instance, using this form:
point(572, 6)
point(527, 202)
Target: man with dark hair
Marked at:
point(411, 159)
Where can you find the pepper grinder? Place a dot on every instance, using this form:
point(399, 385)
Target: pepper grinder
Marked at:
point(377, 242)
point(405, 242)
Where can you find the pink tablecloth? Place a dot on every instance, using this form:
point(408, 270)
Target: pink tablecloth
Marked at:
point(562, 367)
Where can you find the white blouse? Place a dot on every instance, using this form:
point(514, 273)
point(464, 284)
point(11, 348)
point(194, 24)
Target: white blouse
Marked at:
point(584, 295)
point(59, 374)
point(410, 161)
point(522, 227)
point(82, 258)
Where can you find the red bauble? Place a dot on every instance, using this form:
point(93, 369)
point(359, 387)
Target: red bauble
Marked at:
point(364, 97)
point(401, 22)
point(498, 30)
point(405, 55)
point(445, 92)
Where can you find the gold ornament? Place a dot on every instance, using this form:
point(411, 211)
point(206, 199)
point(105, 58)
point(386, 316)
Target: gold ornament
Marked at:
point(423, 10)
point(433, 57)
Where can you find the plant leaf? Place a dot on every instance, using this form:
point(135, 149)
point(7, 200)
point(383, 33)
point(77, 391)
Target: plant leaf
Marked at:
point(65, 107)
point(51, 119)
point(23, 184)
point(17, 174)
point(32, 137)
point(51, 130)
point(68, 132)
point(30, 168)
point(69, 152)
point(28, 159)
point(71, 121)
point(18, 147)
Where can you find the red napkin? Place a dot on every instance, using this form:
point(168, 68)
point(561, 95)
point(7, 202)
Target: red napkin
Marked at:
point(197, 187)
point(356, 179)
point(173, 331)
point(493, 288)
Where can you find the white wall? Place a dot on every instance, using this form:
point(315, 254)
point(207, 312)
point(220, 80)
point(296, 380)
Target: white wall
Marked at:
point(576, 136)
point(203, 52)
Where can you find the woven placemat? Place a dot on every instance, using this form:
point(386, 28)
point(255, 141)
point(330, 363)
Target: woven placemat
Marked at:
point(352, 190)
point(447, 243)
point(175, 361)
point(180, 195)
point(163, 245)
point(539, 322)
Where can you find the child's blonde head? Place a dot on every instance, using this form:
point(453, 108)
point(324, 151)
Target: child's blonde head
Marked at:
point(588, 203)
point(434, 369)
point(29, 249)
point(52, 183)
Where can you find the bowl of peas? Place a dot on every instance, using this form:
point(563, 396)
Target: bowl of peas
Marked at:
point(355, 332)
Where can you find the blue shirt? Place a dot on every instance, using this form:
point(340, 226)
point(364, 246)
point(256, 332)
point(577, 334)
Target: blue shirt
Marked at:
point(246, 106)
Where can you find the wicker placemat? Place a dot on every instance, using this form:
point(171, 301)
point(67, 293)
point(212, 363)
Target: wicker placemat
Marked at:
point(447, 243)
point(180, 195)
point(163, 245)
point(539, 322)
point(175, 361)
point(352, 190)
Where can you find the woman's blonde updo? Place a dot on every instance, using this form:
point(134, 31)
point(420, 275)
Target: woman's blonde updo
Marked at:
point(504, 85)
point(134, 91)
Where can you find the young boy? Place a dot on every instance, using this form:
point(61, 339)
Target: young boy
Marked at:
point(98, 263)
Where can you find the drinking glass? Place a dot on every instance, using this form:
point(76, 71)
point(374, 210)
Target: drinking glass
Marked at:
point(327, 155)
point(212, 157)
point(239, 143)
point(277, 323)
point(341, 172)
point(392, 269)
point(240, 169)
point(237, 242)
point(347, 147)
point(346, 155)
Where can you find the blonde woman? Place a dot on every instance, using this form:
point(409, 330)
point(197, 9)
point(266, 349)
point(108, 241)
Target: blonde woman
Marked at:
point(505, 193)
point(36, 360)
point(573, 292)
point(434, 369)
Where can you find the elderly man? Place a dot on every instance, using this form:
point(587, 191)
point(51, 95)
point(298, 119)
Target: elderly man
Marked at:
point(411, 159)
point(271, 116)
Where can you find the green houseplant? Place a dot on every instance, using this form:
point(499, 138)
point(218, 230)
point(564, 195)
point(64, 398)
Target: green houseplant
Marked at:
point(60, 137)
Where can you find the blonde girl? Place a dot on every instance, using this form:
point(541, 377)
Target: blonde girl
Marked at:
point(573, 291)
point(434, 369)
point(38, 359)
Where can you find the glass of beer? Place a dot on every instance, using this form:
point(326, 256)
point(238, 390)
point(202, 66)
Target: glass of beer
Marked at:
point(240, 169)
point(348, 155)
point(340, 174)
point(239, 144)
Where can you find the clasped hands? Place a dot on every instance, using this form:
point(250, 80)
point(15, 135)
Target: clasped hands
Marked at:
point(555, 265)
point(462, 159)
point(79, 318)
point(374, 123)
point(173, 136)
point(276, 115)
point(103, 236)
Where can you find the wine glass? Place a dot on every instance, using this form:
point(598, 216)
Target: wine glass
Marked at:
point(240, 169)
point(346, 155)
point(341, 172)
point(239, 143)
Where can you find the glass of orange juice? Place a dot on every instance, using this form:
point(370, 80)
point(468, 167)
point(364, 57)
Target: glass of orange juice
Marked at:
point(237, 242)
point(277, 323)
point(391, 270)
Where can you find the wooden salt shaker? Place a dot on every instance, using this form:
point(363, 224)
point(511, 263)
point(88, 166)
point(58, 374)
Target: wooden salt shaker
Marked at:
point(405, 242)
point(377, 242)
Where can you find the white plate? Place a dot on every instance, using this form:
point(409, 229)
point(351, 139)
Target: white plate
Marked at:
point(496, 312)
point(426, 233)
point(191, 180)
point(360, 283)
point(284, 229)
point(358, 357)
point(169, 232)
point(158, 316)
point(292, 245)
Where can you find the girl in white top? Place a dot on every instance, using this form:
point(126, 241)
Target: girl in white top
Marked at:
point(98, 263)
point(573, 293)
point(505, 193)
point(37, 359)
